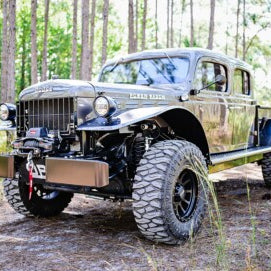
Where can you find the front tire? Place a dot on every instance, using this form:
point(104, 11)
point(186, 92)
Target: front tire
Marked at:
point(44, 203)
point(169, 193)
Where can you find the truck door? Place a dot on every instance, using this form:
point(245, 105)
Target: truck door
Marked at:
point(243, 108)
point(211, 105)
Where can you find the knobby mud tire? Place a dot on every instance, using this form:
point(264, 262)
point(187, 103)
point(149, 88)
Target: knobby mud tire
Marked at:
point(266, 169)
point(16, 192)
point(154, 187)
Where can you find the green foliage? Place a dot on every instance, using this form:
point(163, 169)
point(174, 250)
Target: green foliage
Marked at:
point(60, 34)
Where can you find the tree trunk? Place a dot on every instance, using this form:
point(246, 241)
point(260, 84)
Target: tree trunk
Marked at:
point(131, 40)
point(156, 25)
point(244, 30)
point(44, 52)
point(74, 40)
point(191, 24)
point(84, 68)
point(168, 6)
point(92, 28)
point(5, 49)
point(105, 28)
point(211, 25)
point(237, 28)
point(181, 21)
point(34, 61)
point(136, 26)
point(12, 52)
point(143, 44)
point(171, 26)
point(227, 28)
point(22, 81)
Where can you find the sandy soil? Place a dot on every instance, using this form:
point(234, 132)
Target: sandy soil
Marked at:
point(99, 235)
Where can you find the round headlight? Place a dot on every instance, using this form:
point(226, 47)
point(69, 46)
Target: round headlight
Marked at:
point(7, 111)
point(104, 106)
point(4, 112)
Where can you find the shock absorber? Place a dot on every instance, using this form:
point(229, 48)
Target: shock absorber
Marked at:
point(139, 149)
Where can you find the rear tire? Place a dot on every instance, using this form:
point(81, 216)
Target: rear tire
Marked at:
point(169, 195)
point(266, 169)
point(44, 203)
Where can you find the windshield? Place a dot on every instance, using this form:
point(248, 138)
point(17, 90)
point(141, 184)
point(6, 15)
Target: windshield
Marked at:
point(154, 71)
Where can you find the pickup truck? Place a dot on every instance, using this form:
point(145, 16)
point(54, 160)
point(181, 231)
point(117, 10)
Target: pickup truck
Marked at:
point(149, 130)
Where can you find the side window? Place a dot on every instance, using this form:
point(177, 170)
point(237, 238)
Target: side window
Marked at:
point(241, 82)
point(206, 73)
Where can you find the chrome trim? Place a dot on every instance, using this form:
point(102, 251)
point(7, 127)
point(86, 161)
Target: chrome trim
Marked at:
point(77, 172)
point(6, 166)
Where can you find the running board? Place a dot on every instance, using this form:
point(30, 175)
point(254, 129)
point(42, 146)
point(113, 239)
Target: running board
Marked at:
point(232, 159)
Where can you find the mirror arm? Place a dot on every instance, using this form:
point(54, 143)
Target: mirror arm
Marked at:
point(197, 91)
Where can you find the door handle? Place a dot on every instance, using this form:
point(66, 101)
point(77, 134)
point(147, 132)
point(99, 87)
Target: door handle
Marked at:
point(231, 107)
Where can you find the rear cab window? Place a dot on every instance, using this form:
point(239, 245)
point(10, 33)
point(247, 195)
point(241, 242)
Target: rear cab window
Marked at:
point(241, 82)
point(206, 73)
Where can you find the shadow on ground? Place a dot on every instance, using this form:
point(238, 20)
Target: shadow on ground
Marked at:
point(99, 235)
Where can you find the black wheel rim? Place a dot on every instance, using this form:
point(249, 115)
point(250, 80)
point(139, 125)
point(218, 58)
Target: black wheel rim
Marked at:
point(44, 194)
point(185, 195)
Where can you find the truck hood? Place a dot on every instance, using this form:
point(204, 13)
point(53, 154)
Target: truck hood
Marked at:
point(76, 88)
point(58, 89)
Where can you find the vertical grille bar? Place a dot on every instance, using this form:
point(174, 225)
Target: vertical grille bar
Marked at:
point(58, 112)
point(63, 114)
point(38, 113)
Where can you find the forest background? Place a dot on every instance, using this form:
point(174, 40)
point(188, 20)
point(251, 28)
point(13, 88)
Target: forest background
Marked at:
point(74, 38)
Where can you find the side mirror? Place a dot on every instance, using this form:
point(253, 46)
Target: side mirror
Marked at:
point(220, 79)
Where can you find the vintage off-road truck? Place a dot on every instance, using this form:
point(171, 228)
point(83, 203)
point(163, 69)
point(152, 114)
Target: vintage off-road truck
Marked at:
point(149, 130)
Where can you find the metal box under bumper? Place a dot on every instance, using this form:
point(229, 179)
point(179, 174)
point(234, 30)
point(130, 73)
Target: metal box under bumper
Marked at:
point(77, 172)
point(6, 166)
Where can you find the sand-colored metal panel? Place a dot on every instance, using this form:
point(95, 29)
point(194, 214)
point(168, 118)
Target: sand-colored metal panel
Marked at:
point(77, 172)
point(6, 166)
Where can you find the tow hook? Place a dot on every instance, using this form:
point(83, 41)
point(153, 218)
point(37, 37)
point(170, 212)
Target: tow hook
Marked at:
point(29, 167)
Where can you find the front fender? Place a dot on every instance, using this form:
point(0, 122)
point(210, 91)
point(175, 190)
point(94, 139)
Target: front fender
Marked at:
point(125, 119)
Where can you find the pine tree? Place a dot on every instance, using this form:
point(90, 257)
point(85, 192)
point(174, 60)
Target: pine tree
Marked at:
point(131, 39)
point(34, 61)
point(8, 52)
point(244, 30)
point(105, 30)
point(143, 44)
point(45, 40)
point(171, 24)
point(237, 28)
point(191, 24)
point(92, 28)
point(74, 40)
point(211, 25)
point(84, 67)
point(156, 25)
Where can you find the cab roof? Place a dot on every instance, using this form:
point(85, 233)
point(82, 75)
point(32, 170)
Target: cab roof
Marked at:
point(171, 52)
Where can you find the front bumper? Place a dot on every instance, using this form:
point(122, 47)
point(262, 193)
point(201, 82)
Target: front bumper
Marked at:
point(64, 171)
point(7, 166)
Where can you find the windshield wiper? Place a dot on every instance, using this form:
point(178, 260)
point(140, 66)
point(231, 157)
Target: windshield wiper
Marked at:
point(170, 60)
point(116, 64)
point(145, 76)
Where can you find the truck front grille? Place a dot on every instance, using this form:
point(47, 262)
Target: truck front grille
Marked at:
point(54, 114)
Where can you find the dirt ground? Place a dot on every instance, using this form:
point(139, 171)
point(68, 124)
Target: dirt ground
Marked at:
point(99, 235)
